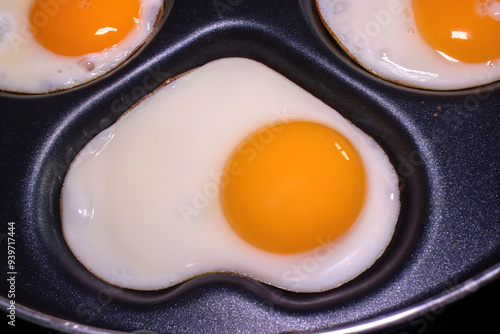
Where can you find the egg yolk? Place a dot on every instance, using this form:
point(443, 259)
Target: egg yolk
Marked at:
point(78, 27)
point(465, 30)
point(292, 187)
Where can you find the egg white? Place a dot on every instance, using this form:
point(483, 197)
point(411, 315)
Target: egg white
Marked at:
point(28, 67)
point(381, 35)
point(141, 199)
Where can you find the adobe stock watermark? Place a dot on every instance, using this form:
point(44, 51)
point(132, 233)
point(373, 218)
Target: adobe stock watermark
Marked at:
point(92, 306)
point(406, 166)
point(381, 19)
point(421, 323)
point(309, 265)
point(11, 273)
point(453, 117)
point(12, 36)
point(19, 32)
point(154, 77)
point(223, 7)
point(203, 195)
point(303, 269)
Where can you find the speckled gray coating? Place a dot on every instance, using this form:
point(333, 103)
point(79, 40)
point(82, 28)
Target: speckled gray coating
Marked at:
point(444, 146)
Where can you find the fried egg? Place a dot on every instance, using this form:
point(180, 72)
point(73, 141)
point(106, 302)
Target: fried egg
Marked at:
point(440, 45)
point(230, 168)
point(50, 45)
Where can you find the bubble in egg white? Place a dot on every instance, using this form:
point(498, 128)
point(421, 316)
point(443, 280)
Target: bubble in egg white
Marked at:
point(142, 197)
point(489, 8)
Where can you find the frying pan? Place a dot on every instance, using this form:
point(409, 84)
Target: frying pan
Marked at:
point(443, 145)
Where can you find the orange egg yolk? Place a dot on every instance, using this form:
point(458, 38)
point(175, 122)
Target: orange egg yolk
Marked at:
point(78, 27)
point(465, 30)
point(293, 186)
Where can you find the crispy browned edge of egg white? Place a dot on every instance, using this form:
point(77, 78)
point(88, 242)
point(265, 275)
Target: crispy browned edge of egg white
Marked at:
point(358, 62)
point(234, 272)
point(132, 53)
point(136, 104)
point(338, 41)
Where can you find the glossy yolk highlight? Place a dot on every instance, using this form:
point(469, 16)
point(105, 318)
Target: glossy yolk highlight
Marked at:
point(460, 29)
point(293, 186)
point(78, 27)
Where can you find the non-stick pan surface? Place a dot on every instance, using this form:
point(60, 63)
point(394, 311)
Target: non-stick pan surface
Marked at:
point(443, 145)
